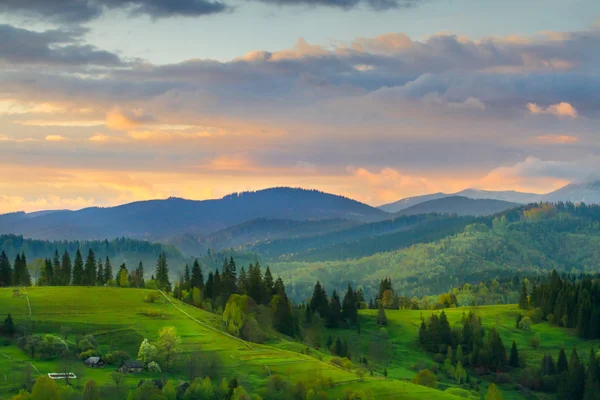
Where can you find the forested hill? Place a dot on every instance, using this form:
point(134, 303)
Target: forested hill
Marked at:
point(128, 251)
point(459, 205)
point(164, 219)
point(529, 240)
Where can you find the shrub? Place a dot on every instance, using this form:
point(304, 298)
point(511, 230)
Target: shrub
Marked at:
point(151, 297)
point(252, 331)
point(439, 358)
point(525, 324)
point(550, 383)
point(117, 357)
point(347, 364)
point(530, 378)
point(551, 319)
point(150, 284)
point(336, 361)
point(502, 378)
point(458, 392)
point(536, 315)
point(425, 378)
point(86, 343)
point(535, 342)
point(84, 355)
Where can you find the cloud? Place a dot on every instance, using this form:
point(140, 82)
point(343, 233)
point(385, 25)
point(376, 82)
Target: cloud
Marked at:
point(379, 5)
point(52, 47)
point(123, 121)
point(80, 11)
point(562, 109)
point(557, 139)
point(56, 138)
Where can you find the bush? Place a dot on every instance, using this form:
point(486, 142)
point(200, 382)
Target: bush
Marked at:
point(536, 315)
point(86, 343)
point(117, 357)
point(439, 358)
point(530, 378)
point(535, 342)
point(525, 324)
point(252, 331)
point(458, 392)
point(150, 284)
point(502, 378)
point(551, 319)
point(84, 355)
point(151, 297)
point(425, 378)
point(550, 383)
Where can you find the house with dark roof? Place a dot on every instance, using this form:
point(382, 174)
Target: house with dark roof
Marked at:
point(94, 362)
point(131, 367)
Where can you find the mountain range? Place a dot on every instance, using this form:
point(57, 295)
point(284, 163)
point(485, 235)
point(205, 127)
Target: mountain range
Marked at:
point(240, 219)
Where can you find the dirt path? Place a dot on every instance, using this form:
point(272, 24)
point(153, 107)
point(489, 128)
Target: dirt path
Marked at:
point(203, 324)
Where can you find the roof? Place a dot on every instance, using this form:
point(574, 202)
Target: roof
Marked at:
point(92, 360)
point(132, 364)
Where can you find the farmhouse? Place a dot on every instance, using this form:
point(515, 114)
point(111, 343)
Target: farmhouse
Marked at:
point(94, 362)
point(131, 366)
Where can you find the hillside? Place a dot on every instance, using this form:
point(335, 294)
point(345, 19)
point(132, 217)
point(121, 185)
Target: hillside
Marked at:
point(119, 319)
point(459, 205)
point(410, 201)
point(163, 219)
point(257, 230)
point(529, 240)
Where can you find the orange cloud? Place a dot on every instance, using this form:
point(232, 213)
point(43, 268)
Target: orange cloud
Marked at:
point(56, 138)
point(557, 139)
point(562, 109)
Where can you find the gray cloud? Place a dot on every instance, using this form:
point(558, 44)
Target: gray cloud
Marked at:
point(379, 5)
point(52, 47)
point(79, 11)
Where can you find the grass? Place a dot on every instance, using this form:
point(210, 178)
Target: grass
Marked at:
point(119, 319)
point(408, 356)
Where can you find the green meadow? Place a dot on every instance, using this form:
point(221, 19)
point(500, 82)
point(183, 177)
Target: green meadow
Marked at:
point(119, 319)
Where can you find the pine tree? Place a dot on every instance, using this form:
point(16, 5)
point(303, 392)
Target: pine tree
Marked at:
point(269, 285)
point(108, 272)
point(48, 273)
point(21, 273)
point(66, 269)
point(350, 306)
point(56, 268)
point(318, 302)
point(562, 364)
point(89, 274)
point(162, 273)
point(514, 356)
point(338, 348)
point(78, 272)
point(493, 393)
point(8, 328)
point(138, 276)
point(100, 273)
point(255, 287)
point(242, 281)
point(17, 270)
point(523, 299)
point(197, 279)
point(186, 277)
point(335, 310)
point(6, 272)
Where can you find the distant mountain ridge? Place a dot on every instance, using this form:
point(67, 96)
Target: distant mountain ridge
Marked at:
point(163, 219)
point(459, 205)
point(587, 192)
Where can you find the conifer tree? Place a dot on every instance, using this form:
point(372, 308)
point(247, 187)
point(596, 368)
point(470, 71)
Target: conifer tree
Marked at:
point(8, 328)
point(90, 269)
point(210, 286)
point(523, 298)
point(17, 270)
point(6, 273)
point(335, 310)
point(269, 285)
point(139, 275)
point(318, 302)
point(350, 306)
point(100, 273)
point(162, 273)
point(514, 356)
point(242, 281)
point(78, 272)
point(66, 268)
point(338, 348)
point(255, 287)
point(108, 272)
point(562, 364)
point(48, 273)
point(197, 279)
point(56, 268)
point(186, 277)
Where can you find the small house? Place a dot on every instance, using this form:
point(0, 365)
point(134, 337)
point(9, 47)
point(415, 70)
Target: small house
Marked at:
point(94, 362)
point(131, 367)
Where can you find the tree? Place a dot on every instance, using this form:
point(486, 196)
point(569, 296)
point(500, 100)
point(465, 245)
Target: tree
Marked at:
point(318, 302)
point(235, 313)
point(161, 275)
point(78, 273)
point(514, 356)
point(8, 328)
point(493, 393)
point(350, 306)
point(57, 269)
point(197, 279)
point(167, 343)
point(169, 391)
point(90, 269)
point(6, 272)
point(460, 375)
point(561, 363)
point(91, 391)
point(44, 389)
point(387, 299)
point(21, 273)
point(36, 269)
point(108, 272)
point(147, 352)
point(335, 310)
point(123, 277)
point(269, 285)
point(524, 298)
point(425, 378)
point(66, 269)
point(100, 274)
point(138, 275)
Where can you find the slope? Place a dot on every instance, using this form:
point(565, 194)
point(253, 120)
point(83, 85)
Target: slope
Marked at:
point(119, 319)
point(163, 219)
point(459, 205)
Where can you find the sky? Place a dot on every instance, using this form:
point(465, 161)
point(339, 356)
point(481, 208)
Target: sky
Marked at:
point(104, 102)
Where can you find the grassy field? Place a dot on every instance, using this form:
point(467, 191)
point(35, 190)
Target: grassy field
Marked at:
point(119, 319)
point(407, 356)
